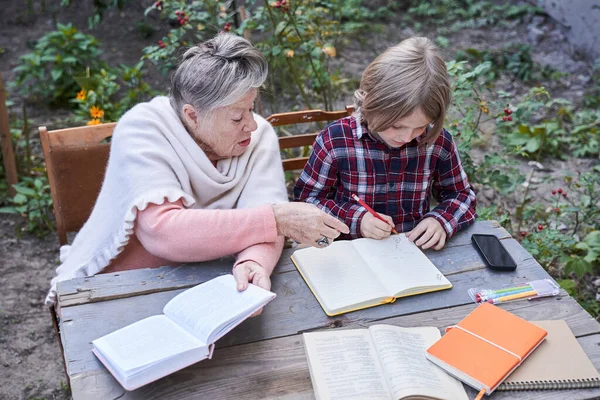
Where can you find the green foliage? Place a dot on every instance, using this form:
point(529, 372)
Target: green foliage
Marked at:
point(108, 94)
point(48, 72)
point(33, 201)
point(513, 58)
point(299, 40)
point(100, 6)
point(543, 126)
point(470, 111)
point(455, 15)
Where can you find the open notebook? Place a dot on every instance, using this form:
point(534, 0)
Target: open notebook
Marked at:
point(351, 275)
point(559, 362)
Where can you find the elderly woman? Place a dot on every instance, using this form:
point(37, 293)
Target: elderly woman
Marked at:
point(196, 176)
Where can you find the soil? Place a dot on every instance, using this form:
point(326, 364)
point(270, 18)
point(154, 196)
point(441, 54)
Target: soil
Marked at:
point(30, 360)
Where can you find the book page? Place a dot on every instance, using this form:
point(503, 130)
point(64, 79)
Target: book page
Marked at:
point(400, 264)
point(343, 365)
point(401, 352)
point(146, 342)
point(213, 308)
point(338, 276)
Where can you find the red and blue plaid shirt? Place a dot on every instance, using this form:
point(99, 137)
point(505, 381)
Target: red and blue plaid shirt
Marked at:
point(348, 159)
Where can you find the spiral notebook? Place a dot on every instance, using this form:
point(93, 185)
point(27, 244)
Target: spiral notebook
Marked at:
point(558, 363)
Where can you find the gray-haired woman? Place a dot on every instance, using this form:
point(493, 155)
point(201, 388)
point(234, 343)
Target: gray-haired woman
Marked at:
point(196, 176)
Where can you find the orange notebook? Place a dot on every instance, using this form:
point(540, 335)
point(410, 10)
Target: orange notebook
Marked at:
point(486, 346)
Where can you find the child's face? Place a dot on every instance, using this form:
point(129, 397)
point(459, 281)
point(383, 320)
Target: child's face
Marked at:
point(405, 129)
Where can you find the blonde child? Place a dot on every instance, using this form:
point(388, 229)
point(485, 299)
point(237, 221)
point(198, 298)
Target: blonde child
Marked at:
point(394, 153)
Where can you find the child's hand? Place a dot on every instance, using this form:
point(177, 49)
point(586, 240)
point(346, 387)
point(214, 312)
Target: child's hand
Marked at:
point(371, 227)
point(432, 234)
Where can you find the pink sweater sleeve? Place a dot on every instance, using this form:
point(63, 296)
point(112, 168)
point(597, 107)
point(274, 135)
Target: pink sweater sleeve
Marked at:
point(172, 232)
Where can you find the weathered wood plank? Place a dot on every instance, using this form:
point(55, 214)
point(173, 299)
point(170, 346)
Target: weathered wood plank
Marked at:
point(294, 310)
point(277, 368)
point(144, 281)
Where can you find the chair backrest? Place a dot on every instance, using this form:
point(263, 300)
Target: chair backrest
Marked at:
point(76, 160)
point(302, 140)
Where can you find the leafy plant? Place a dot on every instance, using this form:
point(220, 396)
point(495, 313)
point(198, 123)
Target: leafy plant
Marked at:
point(48, 72)
point(513, 58)
point(33, 201)
point(107, 95)
point(299, 39)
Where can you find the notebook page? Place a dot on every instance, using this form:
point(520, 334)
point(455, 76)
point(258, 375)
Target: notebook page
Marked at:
point(401, 352)
point(212, 308)
point(343, 365)
point(399, 264)
point(338, 275)
point(145, 342)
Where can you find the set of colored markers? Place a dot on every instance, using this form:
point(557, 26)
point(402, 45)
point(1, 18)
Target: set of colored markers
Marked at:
point(523, 290)
point(502, 295)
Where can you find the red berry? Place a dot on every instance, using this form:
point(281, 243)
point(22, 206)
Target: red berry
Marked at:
point(227, 27)
point(565, 194)
point(177, 12)
point(181, 21)
point(523, 234)
point(557, 210)
point(559, 190)
point(554, 192)
point(540, 227)
point(283, 2)
point(186, 19)
point(506, 110)
point(509, 118)
point(504, 119)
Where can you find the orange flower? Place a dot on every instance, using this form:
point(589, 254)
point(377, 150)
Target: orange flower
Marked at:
point(289, 53)
point(81, 95)
point(330, 50)
point(94, 122)
point(96, 112)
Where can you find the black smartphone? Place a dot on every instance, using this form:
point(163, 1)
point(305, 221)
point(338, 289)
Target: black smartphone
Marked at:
point(493, 252)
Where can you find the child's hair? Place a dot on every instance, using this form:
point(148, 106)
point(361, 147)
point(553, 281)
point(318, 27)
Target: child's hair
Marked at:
point(404, 78)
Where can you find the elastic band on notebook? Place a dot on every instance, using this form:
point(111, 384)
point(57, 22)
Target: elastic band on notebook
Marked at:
point(485, 340)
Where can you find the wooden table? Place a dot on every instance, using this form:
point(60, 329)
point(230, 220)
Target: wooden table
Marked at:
point(264, 356)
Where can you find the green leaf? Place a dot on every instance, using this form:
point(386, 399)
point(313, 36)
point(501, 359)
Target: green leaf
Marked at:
point(56, 74)
point(524, 129)
point(579, 266)
point(280, 27)
point(533, 144)
point(276, 50)
point(8, 210)
point(24, 190)
point(568, 284)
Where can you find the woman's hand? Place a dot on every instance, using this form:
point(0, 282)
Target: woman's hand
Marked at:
point(305, 223)
point(431, 232)
point(371, 227)
point(251, 272)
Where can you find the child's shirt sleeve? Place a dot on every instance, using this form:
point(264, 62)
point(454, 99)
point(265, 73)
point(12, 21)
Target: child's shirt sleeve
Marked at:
point(457, 200)
point(318, 184)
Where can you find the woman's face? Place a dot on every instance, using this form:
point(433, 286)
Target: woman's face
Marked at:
point(405, 129)
point(228, 133)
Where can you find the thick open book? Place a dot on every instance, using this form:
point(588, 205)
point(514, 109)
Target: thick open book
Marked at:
point(351, 275)
point(193, 320)
point(382, 362)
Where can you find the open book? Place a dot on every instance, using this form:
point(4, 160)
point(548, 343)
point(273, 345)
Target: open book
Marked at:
point(193, 320)
point(351, 275)
point(382, 362)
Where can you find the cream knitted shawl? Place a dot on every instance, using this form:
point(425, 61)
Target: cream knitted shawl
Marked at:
point(153, 158)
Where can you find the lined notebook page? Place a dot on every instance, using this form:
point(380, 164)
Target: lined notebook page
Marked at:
point(399, 263)
point(338, 275)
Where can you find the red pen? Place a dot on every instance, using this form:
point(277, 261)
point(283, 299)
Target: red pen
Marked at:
point(373, 212)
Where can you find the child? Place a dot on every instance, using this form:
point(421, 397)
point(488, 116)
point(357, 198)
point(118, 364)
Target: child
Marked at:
point(394, 153)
